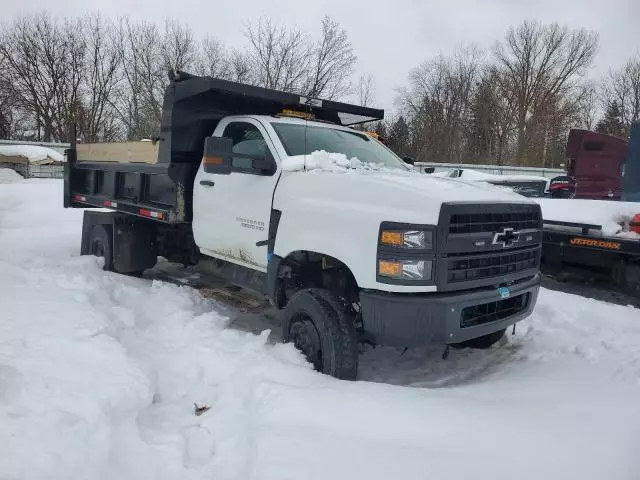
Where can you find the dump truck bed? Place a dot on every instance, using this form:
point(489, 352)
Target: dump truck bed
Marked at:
point(146, 190)
point(154, 179)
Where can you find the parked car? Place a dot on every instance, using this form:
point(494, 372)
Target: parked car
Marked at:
point(525, 185)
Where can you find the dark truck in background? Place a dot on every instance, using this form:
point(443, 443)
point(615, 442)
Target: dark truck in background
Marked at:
point(594, 167)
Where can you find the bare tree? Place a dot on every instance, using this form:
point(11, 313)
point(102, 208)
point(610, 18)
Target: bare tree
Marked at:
point(97, 120)
point(280, 56)
point(218, 62)
point(8, 103)
point(542, 63)
point(331, 64)
point(587, 106)
point(623, 87)
point(365, 90)
point(240, 67)
point(213, 60)
point(438, 102)
point(138, 96)
point(148, 55)
point(45, 60)
point(179, 49)
point(490, 119)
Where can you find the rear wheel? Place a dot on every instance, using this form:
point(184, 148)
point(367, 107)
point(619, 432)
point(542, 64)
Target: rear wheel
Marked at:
point(101, 245)
point(483, 342)
point(320, 327)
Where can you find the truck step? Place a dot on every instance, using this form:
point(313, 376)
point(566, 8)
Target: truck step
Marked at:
point(236, 298)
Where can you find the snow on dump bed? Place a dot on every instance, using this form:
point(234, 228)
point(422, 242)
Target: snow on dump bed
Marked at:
point(8, 175)
point(99, 375)
point(34, 153)
point(612, 216)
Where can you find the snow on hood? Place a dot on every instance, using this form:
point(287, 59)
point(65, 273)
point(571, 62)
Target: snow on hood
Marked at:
point(322, 161)
point(34, 153)
point(326, 161)
point(410, 195)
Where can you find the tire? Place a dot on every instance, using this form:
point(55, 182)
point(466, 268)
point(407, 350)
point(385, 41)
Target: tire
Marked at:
point(321, 328)
point(482, 343)
point(101, 245)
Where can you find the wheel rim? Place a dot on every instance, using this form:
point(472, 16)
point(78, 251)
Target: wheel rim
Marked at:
point(305, 338)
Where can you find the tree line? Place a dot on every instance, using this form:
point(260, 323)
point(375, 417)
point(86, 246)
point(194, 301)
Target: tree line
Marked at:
point(107, 78)
point(511, 104)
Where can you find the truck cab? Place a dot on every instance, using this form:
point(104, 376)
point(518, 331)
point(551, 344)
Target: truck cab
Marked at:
point(595, 164)
point(280, 194)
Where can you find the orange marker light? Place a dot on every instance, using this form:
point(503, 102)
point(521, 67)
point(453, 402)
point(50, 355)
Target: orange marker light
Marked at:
point(213, 160)
point(389, 268)
point(391, 238)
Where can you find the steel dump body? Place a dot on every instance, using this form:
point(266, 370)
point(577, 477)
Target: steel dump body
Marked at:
point(154, 179)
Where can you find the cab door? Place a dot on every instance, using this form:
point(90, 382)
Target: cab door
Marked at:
point(231, 212)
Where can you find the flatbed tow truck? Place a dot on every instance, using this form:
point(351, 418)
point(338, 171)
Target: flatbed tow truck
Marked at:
point(570, 246)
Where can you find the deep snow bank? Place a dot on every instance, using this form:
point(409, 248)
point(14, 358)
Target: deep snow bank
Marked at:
point(99, 374)
point(8, 175)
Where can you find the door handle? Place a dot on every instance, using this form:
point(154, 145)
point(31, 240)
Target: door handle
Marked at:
point(207, 183)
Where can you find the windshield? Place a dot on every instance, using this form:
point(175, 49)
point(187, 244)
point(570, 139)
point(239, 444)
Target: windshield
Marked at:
point(333, 140)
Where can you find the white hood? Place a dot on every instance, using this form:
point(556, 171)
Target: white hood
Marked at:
point(400, 196)
point(338, 213)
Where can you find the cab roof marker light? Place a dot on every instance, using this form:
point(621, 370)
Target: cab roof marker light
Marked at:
point(312, 102)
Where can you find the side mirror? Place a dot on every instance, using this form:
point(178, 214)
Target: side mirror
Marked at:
point(263, 165)
point(217, 154)
point(408, 160)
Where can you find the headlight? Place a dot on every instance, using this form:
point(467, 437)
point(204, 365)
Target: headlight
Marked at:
point(406, 254)
point(417, 239)
point(405, 269)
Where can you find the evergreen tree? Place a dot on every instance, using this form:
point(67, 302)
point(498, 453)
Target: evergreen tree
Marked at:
point(398, 137)
point(611, 123)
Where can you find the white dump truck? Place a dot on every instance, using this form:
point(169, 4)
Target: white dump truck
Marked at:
point(278, 193)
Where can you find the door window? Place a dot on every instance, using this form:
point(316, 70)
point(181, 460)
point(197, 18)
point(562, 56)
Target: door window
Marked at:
point(247, 140)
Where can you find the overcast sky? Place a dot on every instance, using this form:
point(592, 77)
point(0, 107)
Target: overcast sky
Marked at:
point(389, 37)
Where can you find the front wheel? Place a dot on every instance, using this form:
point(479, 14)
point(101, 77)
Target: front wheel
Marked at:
point(320, 327)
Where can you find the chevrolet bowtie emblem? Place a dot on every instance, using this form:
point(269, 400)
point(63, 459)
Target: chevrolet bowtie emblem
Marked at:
point(506, 238)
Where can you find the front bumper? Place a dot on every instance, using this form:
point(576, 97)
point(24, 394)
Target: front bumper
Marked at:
point(410, 320)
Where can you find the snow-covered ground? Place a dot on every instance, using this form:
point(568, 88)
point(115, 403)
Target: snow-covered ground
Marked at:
point(8, 175)
point(99, 374)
